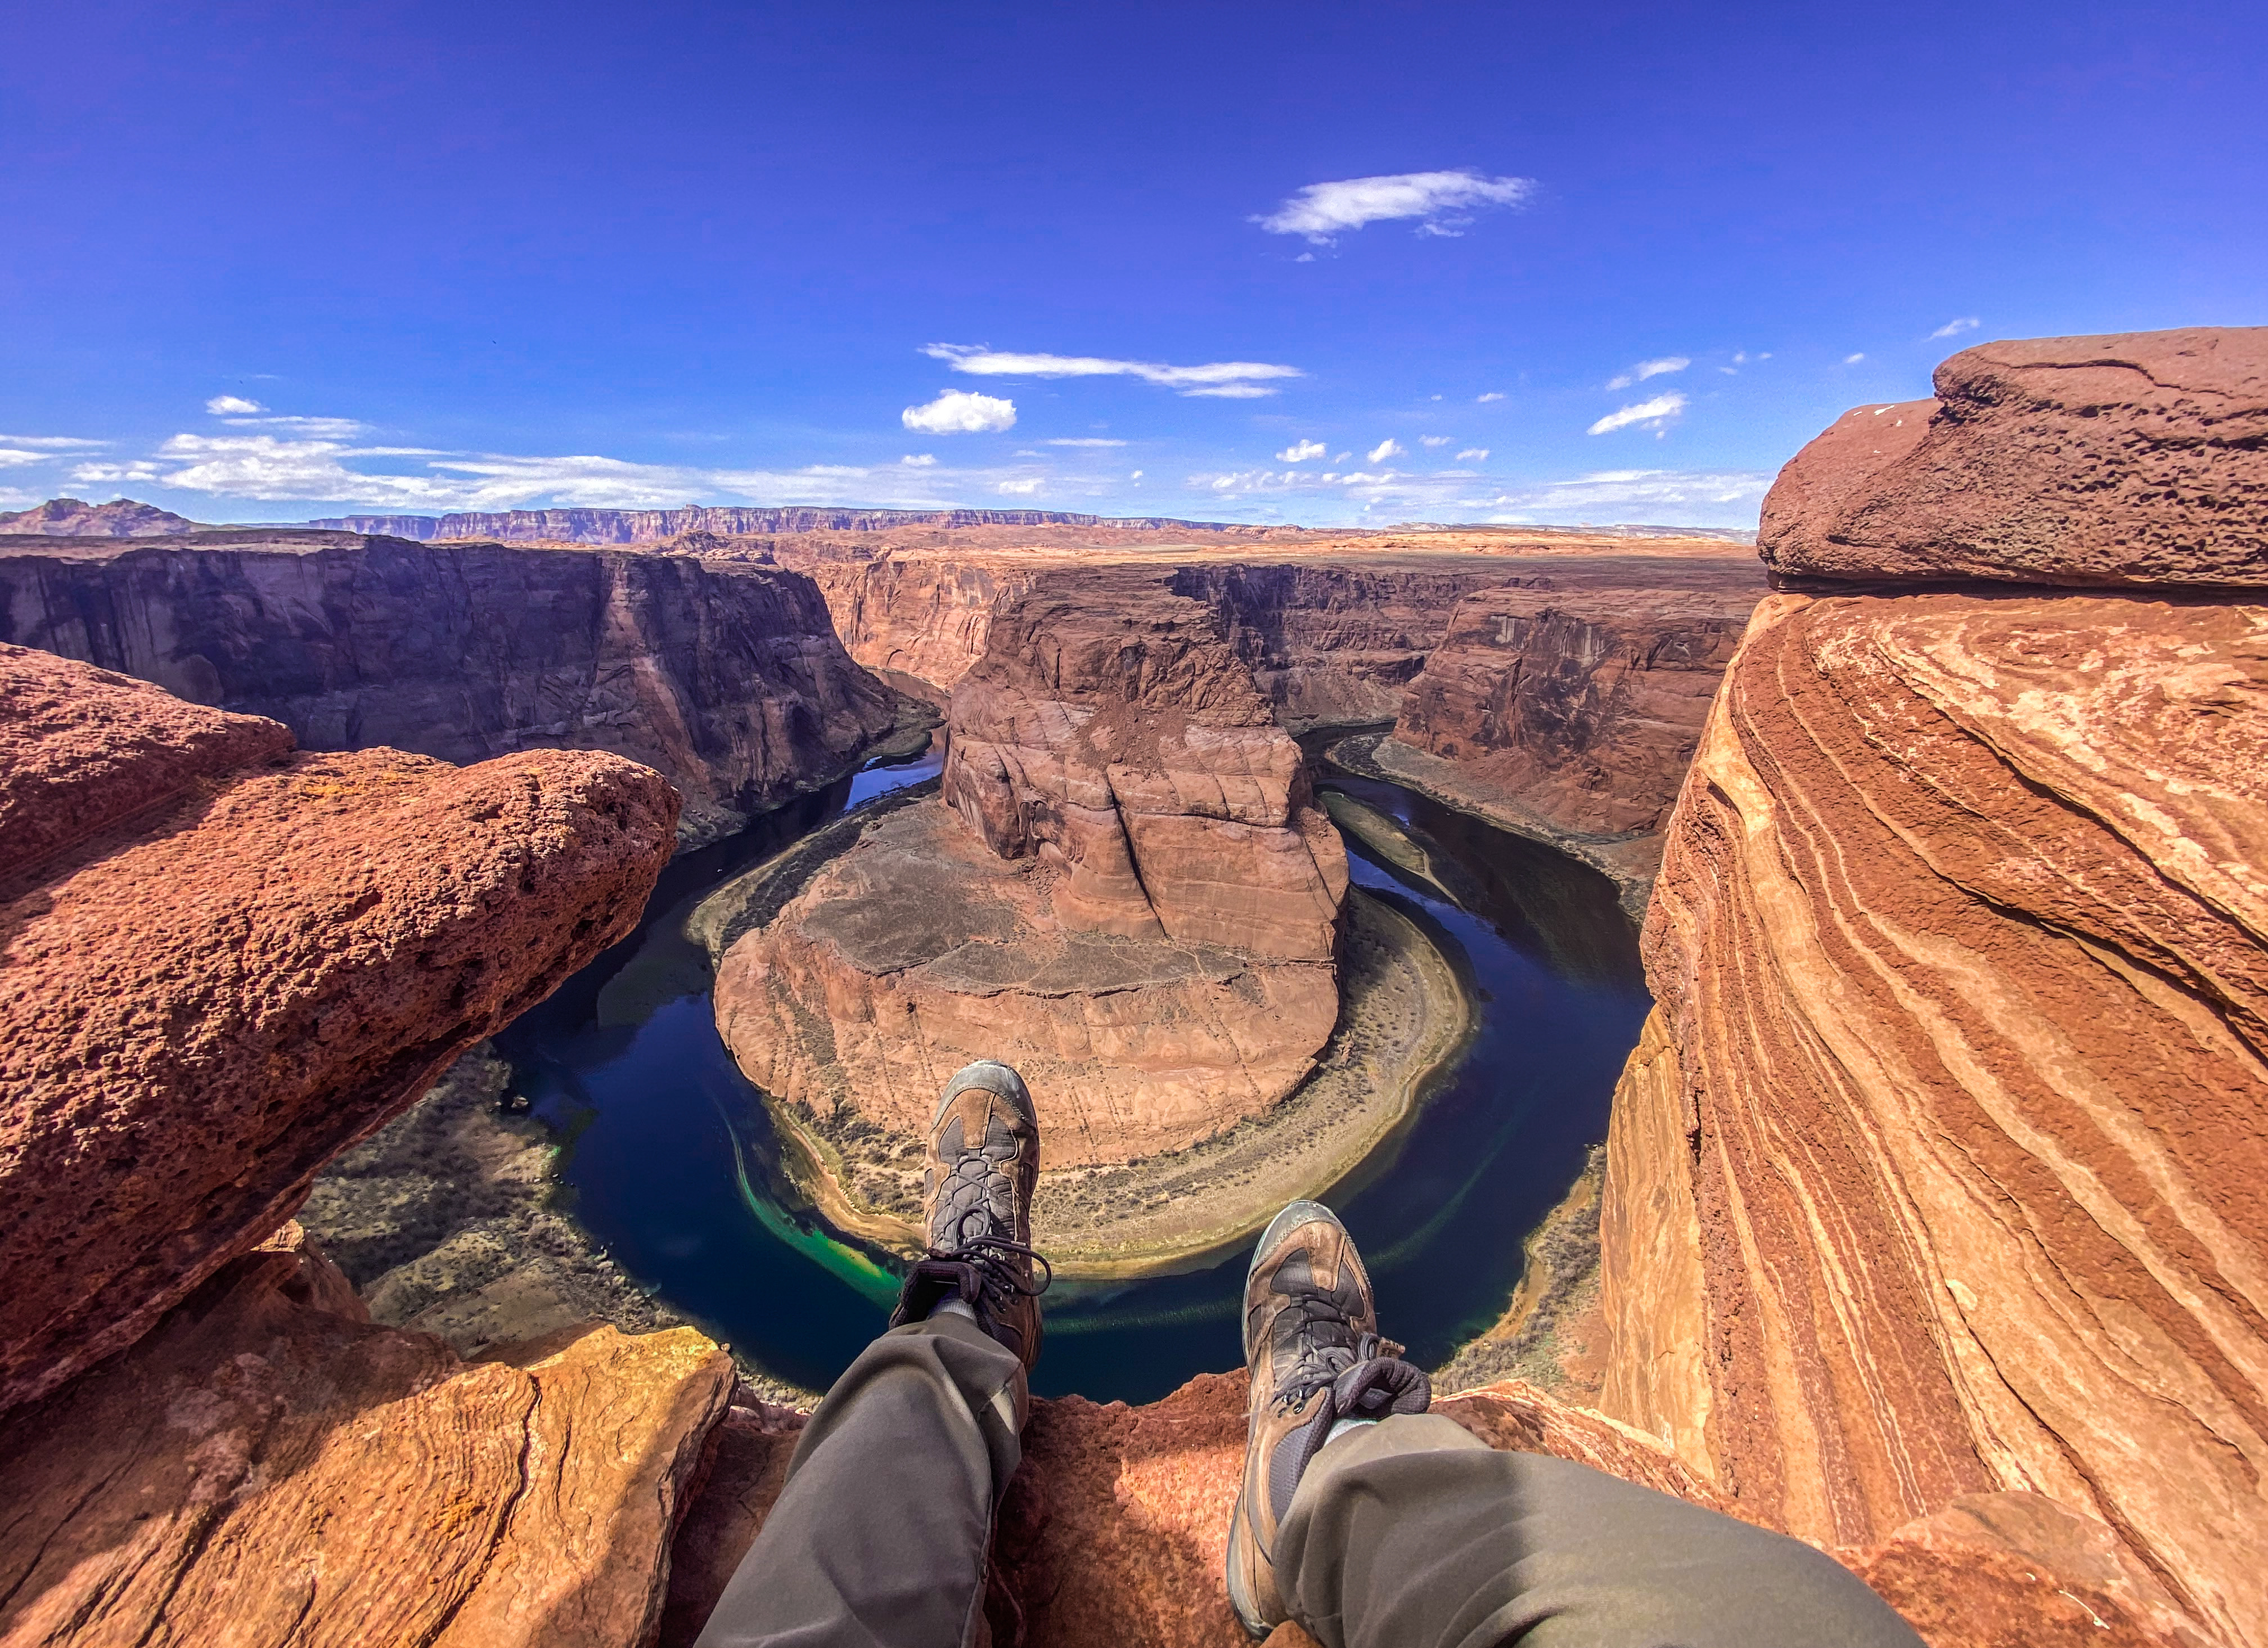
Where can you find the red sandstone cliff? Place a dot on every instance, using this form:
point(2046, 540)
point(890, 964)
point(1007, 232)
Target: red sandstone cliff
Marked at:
point(1128, 892)
point(726, 677)
point(1941, 1169)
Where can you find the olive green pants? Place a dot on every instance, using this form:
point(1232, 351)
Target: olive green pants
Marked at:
point(1407, 1533)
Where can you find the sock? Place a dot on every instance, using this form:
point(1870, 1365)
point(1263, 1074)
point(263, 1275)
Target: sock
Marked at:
point(952, 1307)
point(1342, 1427)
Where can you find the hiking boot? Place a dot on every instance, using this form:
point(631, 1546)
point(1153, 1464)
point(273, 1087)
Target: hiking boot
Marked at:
point(984, 1163)
point(1311, 1348)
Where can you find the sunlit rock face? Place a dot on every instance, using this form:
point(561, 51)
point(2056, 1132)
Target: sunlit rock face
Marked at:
point(1948, 1132)
point(1586, 705)
point(1113, 736)
point(1126, 891)
point(727, 677)
point(2139, 458)
point(226, 961)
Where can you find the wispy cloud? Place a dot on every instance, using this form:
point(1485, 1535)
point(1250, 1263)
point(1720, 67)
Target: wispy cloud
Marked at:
point(1954, 328)
point(17, 457)
point(1083, 440)
point(1655, 415)
point(1301, 452)
point(53, 444)
point(1854, 359)
point(1442, 203)
point(919, 460)
point(1232, 392)
point(1473, 454)
point(1387, 448)
point(221, 405)
point(1493, 395)
point(1433, 440)
point(961, 412)
point(1022, 485)
point(1647, 368)
point(1234, 380)
point(1698, 498)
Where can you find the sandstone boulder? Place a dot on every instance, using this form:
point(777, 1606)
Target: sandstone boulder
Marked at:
point(268, 1466)
point(1952, 1116)
point(1111, 734)
point(224, 962)
point(2139, 458)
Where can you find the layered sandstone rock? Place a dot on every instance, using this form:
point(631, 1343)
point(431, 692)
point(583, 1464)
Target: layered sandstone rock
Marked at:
point(921, 949)
point(921, 621)
point(266, 1466)
point(724, 676)
point(1113, 1530)
point(224, 962)
point(1112, 734)
point(1961, 942)
point(2140, 457)
point(1585, 706)
point(1130, 895)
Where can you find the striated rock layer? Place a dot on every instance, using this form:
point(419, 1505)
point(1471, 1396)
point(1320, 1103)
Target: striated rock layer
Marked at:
point(1962, 947)
point(1585, 706)
point(268, 1466)
point(2140, 457)
point(1112, 734)
point(222, 962)
point(724, 676)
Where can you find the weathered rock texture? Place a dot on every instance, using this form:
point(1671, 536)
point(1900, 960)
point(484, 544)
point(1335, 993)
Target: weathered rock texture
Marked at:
point(1112, 734)
point(920, 950)
point(1585, 706)
point(121, 518)
point(2140, 457)
point(1112, 1531)
point(724, 676)
point(268, 1466)
point(224, 962)
point(921, 621)
point(1961, 948)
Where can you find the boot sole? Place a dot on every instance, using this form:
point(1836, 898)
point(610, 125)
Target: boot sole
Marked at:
point(977, 1075)
point(1240, 1601)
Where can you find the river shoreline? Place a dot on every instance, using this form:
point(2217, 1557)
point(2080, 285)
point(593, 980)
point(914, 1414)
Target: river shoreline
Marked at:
point(1405, 1017)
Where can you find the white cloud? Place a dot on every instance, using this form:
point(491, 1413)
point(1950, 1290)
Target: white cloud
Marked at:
point(1232, 392)
point(1473, 454)
point(57, 444)
point(1022, 486)
point(1441, 202)
point(919, 460)
point(1434, 440)
point(222, 404)
point(15, 499)
point(1343, 457)
point(314, 428)
point(1853, 360)
point(1137, 475)
point(1724, 497)
point(16, 457)
point(1226, 380)
point(1656, 412)
point(1493, 395)
point(1300, 452)
point(1647, 368)
point(1387, 448)
point(960, 412)
point(1954, 328)
point(1083, 440)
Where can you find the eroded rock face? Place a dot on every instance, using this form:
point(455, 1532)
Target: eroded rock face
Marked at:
point(922, 622)
point(2139, 458)
point(921, 950)
point(224, 962)
point(266, 1466)
point(1586, 706)
point(71, 518)
point(1961, 942)
point(724, 676)
point(1112, 734)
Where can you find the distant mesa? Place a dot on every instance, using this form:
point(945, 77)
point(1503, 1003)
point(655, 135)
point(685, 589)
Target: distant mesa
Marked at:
point(624, 527)
point(71, 518)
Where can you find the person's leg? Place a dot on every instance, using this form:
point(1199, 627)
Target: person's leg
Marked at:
point(879, 1539)
point(1414, 1532)
point(880, 1536)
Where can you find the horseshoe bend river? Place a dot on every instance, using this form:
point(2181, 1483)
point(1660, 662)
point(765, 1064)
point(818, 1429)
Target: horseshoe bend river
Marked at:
point(672, 1164)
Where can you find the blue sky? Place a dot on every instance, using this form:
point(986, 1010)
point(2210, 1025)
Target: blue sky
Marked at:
point(265, 262)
